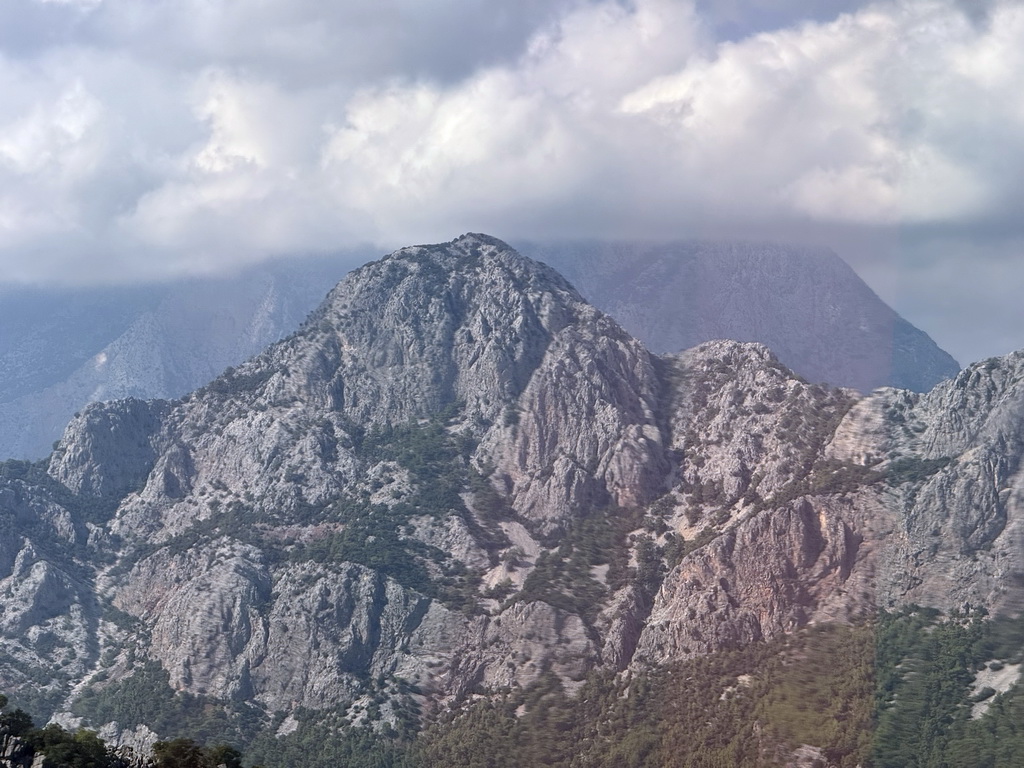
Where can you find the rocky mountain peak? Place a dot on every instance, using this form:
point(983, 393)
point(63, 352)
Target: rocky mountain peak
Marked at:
point(407, 335)
point(107, 450)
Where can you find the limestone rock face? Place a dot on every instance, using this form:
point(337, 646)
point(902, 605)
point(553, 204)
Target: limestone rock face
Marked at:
point(208, 501)
point(108, 449)
point(768, 575)
point(953, 460)
point(585, 433)
point(403, 337)
point(458, 477)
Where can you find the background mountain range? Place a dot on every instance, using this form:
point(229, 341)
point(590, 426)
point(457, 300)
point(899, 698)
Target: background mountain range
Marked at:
point(61, 349)
point(805, 304)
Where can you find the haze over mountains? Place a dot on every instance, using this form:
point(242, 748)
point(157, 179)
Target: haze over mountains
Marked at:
point(460, 482)
point(63, 348)
point(60, 349)
point(806, 304)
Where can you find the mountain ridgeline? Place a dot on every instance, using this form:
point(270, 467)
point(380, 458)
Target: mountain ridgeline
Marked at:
point(62, 349)
point(462, 517)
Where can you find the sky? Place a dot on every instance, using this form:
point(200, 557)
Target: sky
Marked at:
point(144, 140)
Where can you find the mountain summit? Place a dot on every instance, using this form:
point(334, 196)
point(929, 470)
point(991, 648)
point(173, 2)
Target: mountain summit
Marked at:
point(64, 349)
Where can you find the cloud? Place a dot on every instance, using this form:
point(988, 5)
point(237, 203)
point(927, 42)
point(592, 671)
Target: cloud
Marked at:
point(525, 146)
point(881, 117)
point(141, 139)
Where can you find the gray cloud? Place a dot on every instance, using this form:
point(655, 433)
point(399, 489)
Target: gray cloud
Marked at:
point(303, 42)
point(146, 139)
point(737, 19)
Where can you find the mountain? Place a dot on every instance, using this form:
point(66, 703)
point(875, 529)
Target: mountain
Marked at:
point(805, 304)
point(62, 348)
point(461, 502)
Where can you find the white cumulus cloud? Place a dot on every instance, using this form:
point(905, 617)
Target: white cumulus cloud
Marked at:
point(161, 137)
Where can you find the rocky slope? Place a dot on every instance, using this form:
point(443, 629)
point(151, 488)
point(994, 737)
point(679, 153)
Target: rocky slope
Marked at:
point(806, 304)
point(457, 478)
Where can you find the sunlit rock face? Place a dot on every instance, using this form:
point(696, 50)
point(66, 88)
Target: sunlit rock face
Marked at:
point(457, 476)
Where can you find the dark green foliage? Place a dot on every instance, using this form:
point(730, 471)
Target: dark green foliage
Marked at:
point(32, 472)
point(703, 538)
point(822, 692)
point(83, 749)
point(147, 697)
point(181, 753)
point(40, 691)
point(831, 476)
point(814, 687)
point(325, 740)
point(562, 578)
point(914, 470)
point(924, 670)
point(373, 535)
point(926, 664)
point(233, 381)
point(511, 416)
point(185, 753)
point(995, 740)
point(14, 722)
point(746, 707)
point(435, 459)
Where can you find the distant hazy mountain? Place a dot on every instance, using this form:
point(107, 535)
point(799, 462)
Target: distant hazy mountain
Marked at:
point(63, 348)
point(807, 305)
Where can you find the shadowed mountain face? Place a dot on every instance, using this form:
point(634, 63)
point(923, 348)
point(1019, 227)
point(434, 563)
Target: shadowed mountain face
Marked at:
point(806, 305)
point(457, 479)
